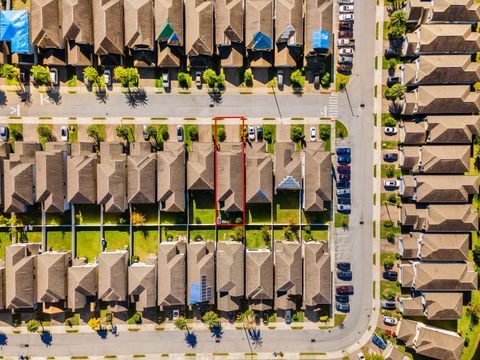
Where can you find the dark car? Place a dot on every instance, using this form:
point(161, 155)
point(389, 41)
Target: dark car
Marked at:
point(389, 305)
point(288, 317)
point(265, 317)
point(389, 53)
point(345, 266)
point(344, 290)
point(344, 299)
point(344, 176)
point(390, 157)
point(392, 80)
point(379, 342)
point(259, 133)
point(343, 184)
point(345, 25)
point(344, 67)
point(343, 169)
point(344, 159)
point(345, 308)
point(345, 34)
point(344, 275)
point(390, 275)
point(343, 200)
point(344, 151)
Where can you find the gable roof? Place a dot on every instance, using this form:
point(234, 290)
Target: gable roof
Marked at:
point(411, 306)
point(228, 21)
point(141, 169)
point(454, 11)
point(142, 284)
point(288, 167)
point(112, 275)
point(169, 21)
point(259, 27)
point(171, 177)
point(112, 178)
point(317, 274)
point(435, 247)
point(200, 167)
point(199, 27)
point(52, 276)
point(259, 279)
point(108, 25)
point(229, 182)
point(289, 22)
point(430, 159)
point(77, 21)
point(82, 283)
point(201, 272)
point(230, 272)
point(138, 16)
point(82, 174)
point(288, 274)
point(46, 27)
point(318, 180)
point(2, 288)
point(443, 306)
point(171, 274)
point(393, 353)
point(259, 170)
point(318, 16)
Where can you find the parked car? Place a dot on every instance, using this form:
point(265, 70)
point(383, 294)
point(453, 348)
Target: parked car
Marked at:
point(344, 290)
point(389, 130)
point(146, 137)
point(345, 34)
point(316, 79)
point(176, 314)
point(343, 151)
point(265, 318)
point(344, 208)
point(344, 176)
point(54, 76)
point(107, 77)
point(165, 80)
point(344, 67)
point(179, 133)
point(280, 78)
point(361, 356)
point(344, 275)
point(3, 133)
point(345, 308)
point(343, 192)
point(343, 169)
point(388, 320)
point(390, 157)
point(344, 299)
point(390, 275)
point(344, 42)
point(345, 60)
point(345, 51)
point(389, 53)
point(389, 305)
point(343, 200)
point(392, 80)
point(379, 342)
point(346, 17)
point(259, 132)
point(343, 184)
point(288, 317)
point(391, 183)
point(64, 133)
point(23, 76)
point(251, 132)
point(345, 1)
point(345, 25)
point(313, 134)
point(346, 8)
point(344, 159)
point(198, 79)
point(345, 266)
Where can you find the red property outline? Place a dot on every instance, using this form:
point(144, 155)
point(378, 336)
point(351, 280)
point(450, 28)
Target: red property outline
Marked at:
point(216, 119)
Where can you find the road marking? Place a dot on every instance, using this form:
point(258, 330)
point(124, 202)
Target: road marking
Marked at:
point(333, 105)
point(15, 110)
point(44, 99)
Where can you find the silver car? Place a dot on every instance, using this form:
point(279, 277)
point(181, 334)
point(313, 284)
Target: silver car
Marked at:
point(3, 133)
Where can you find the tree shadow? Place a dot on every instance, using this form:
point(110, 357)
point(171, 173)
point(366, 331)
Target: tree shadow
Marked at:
point(3, 339)
point(3, 99)
point(103, 333)
point(25, 97)
point(216, 96)
point(136, 98)
point(142, 97)
point(191, 339)
point(55, 96)
point(46, 337)
point(217, 331)
point(395, 107)
point(255, 337)
point(101, 96)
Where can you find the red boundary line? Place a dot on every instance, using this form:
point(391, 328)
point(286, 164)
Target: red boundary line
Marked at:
point(216, 118)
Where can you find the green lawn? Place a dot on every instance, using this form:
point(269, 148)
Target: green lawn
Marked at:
point(341, 220)
point(88, 244)
point(279, 234)
point(202, 207)
point(15, 128)
point(150, 211)
point(32, 217)
point(145, 242)
point(4, 241)
point(255, 240)
point(206, 233)
point(322, 217)
point(327, 144)
point(116, 218)
point(286, 207)
point(273, 130)
point(34, 236)
point(315, 234)
point(59, 219)
point(341, 130)
point(225, 234)
point(394, 285)
point(188, 142)
point(87, 214)
point(173, 232)
point(384, 230)
point(389, 170)
point(259, 214)
point(117, 239)
point(172, 218)
point(467, 329)
point(59, 239)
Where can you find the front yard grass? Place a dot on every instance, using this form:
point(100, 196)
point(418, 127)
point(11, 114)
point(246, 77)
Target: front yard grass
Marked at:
point(286, 207)
point(202, 207)
point(59, 239)
point(341, 131)
point(255, 240)
point(387, 227)
point(88, 244)
point(389, 171)
point(117, 239)
point(259, 214)
point(393, 285)
point(273, 131)
point(145, 242)
point(341, 220)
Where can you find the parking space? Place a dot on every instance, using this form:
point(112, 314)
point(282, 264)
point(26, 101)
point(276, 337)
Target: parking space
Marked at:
point(283, 133)
point(345, 36)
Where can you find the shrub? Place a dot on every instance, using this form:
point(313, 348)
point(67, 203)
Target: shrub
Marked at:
point(33, 325)
point(184, 80)
point(325, 132)
point(388, 262)
point(213, 80)
point(40, 74)
point(128, 77)
point(397, 91)
point(390, 237)
point(91, 74)
point(325, 81)
point(390, 122)
point(45, 132)
point(392, 64)
point(248, 78)
point(137, 218)
point(165, 134)
point(297, 79)
point(392, 198)
point(388, 223)
point(135, 259)
point(193, 133)
point(221, 135)
point(296, 133)
point(390, 171)
point(137, 318)
point(267, 135)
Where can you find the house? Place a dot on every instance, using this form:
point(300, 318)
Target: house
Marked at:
point(50, 177)
point(109, 31)
point(438, 276)
point(142, 171)
point(199, 32)
point(317, 274)
point(171, 177)
point(441, 39)
point(289, 32)
point(259, 33)
point(434, 306)
point(288, 274)
point(171, 274)
point(259, 279)
point(201, 273)
point(259, 170)
point(288, 167)
point(440, 70)
point(434, 247)
point(457, 129)
point(229, 32)
point(139, 27)
point(393, 353)
point(82, 284)
point(142, 283)
point(200, 167)
point(82, 174)
point(415, 10)
point(51, 276)
point(412, 307)
point(438, 188)
point(18, 175)
point(440, 218)
point(442, 11)
point(317, 189)
point(318, 31)
point(441, 100)
point(77, 29)
point(230, 275)
point(430, 341)
point(112, 276)
point(4, 152)
point(229, 182)
point(431, 159)
point(112, 177)
point(20, 289)
point(168, 16)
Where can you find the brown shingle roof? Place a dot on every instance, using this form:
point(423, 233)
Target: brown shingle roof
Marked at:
point(108, 25)
point(142, 284)
point(318, 16)
point(406, 331)
point(82, 283)
point(459, 129)
point(435, 247)
point(201, 272)
point(199, 27)
point(82, 174)
point(52, 276)
point(411, 306)
point(229, 180)
point(259, 15)
point(288, 274)
point(171, 177)
point(112, 275)
point(393, 353)
point(230, 275)
point(46, 27)
point(430, 159)
point(171, 274)
point(454, 11)
point(318, 180)
point(169, 13)
point(259, 170)
point(77, 21)
point(443, 306)
point(112, 178)
point(142, 171)
point(259, 279)
point(288, 167)
point(317, 274)
point(200, 167)
point(288, 31)
point(138, 17)
point(229, 21)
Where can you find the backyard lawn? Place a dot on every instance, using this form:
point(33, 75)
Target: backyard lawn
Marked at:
point(279, 234)
point(34, 236)
point(87, 214)
point(286, 207)
point(117, 239)
point(88, 244)
point(59, 219)
point(315, 234)
point(149, 211)
point(32, 217)
point(116, 218)
point(202, 207)
point(4, 241)
point(206, 233)
point(259, 214)
point(172, 232)
point(145, 242)
point(255, 240)
point(173, 218)
point(227, 234)
point(314, 217)
point(59, 239)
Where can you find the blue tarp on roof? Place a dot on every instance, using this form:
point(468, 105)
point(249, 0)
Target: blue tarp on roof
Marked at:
point(14, 28)
point(261, 41)
point(320, 39)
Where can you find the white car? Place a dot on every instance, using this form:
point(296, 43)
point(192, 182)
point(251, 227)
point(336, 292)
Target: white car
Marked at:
point(390, 130)
point(3, 133)
point(361, 356)
point(64, 133)
point(346, 17)
point(388, 320)
point(345, 1)
point(343, 42)
point(146, 136)
point(107, 77)
point(179, 133)
point(165, 80)
point(345, 51)
point(391, 183)
point(198, 79)
point(251, 132)
point(313, 134)
point(54, 76)
point(176, 314)
point(346, 8)
point(280, 78)
point(344, 207)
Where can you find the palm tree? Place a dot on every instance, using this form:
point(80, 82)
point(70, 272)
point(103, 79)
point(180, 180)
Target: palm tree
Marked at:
point(33, 325)
point(94, 134)
point(210, 319)
point(181, 323)
point(398, 19)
